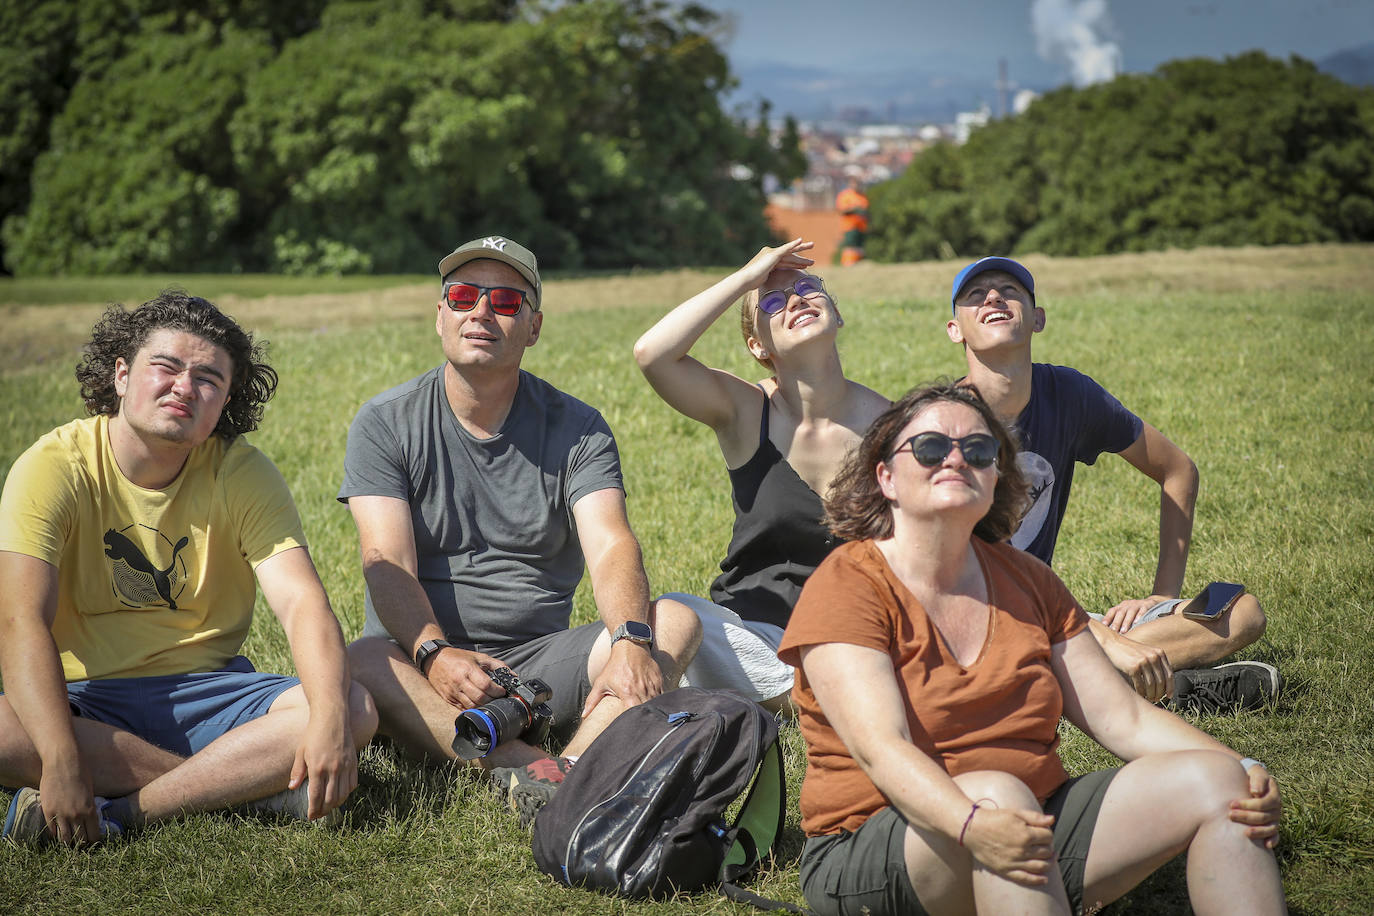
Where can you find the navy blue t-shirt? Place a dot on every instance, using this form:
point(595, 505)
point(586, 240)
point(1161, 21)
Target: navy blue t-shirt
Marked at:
point(1069, 418)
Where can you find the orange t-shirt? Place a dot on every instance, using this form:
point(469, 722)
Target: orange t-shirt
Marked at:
point(1000, 713)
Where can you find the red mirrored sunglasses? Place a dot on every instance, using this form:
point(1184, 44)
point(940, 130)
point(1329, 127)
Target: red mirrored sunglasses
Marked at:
point(504, 300)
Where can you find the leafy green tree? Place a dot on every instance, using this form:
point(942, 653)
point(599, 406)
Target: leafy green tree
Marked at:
point(49, 47)
point(367, 135)
point(1251, 150)
point(593, 132)
point(138, 176)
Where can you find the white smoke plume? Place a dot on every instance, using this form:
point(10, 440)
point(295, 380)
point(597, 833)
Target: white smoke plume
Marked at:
point(1070, 30)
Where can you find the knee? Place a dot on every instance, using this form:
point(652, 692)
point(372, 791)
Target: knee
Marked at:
point(362, 714)
point(1247, 621)
point(672, 616)
point(369, 655)
point(1002, 789)
point(1210, 780)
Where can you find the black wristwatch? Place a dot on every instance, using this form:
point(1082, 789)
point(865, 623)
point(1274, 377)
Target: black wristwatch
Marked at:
point(636, 631)
point(428, 648)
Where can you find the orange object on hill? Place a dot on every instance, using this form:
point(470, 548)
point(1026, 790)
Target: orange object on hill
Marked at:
point(819, 226)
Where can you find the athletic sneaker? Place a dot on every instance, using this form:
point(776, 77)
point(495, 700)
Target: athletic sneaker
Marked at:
point(25, 822)
point(530, 787)
point(295, 803)
point(1226, 688)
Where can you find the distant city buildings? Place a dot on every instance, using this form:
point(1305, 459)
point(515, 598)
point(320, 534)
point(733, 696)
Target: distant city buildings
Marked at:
point(872, 152)
point(856, 143)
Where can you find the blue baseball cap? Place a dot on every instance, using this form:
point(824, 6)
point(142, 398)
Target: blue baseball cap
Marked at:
point(982, 266)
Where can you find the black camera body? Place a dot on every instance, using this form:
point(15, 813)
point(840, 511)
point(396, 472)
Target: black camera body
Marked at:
point(522, 713)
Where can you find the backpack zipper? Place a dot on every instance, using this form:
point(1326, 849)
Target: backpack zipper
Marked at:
point(674, 720)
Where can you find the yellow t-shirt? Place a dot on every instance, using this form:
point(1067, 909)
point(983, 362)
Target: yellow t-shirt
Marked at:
point(150, 582)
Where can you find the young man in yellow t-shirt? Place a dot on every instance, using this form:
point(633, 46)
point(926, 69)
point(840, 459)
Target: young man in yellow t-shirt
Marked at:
point(132, 543)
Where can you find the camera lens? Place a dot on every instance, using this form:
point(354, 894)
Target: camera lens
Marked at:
point(477, 731)
point(475, 734)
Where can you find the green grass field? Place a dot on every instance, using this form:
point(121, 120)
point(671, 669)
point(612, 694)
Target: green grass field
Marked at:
point(1258, 362)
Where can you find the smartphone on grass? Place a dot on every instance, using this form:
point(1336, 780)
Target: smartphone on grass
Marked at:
point(1213, 601)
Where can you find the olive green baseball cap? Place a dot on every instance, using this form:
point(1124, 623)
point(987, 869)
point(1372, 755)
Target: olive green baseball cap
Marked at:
point(496, 248)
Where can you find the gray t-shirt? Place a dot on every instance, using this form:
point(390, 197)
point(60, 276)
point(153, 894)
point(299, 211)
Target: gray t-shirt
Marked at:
point(494, 534)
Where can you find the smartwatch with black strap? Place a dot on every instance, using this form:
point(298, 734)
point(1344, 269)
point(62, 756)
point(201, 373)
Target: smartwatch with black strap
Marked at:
point(428, 648)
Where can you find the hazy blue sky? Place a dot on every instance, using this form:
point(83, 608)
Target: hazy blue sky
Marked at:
point(966, 37)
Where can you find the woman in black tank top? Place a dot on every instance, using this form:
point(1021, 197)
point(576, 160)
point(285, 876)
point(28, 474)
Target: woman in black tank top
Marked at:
point(782, 439)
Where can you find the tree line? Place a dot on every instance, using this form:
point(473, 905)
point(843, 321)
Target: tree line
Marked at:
point(1246, 151)
point(352, 136)
point(347, 136)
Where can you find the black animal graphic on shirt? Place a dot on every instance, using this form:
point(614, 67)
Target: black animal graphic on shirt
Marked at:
point(136, 580)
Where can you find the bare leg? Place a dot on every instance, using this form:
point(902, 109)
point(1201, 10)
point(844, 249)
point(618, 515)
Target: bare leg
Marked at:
point(949, 880)
point(412, 714)
point(782, 703)
point(118, 761)
point(1161, 804)
point(1195, 644)
point(677, 633)
point(247, 763)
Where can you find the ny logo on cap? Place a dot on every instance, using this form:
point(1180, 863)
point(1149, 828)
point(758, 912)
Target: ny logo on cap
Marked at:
point(494, 241)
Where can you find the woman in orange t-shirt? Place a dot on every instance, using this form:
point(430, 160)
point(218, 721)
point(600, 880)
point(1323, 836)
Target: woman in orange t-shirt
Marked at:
point(935, 663)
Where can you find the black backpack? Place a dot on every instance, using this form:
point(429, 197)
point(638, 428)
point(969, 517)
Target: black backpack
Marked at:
point(641, 814)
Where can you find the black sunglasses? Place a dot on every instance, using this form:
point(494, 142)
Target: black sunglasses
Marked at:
point(930, 449)
point(505, 300)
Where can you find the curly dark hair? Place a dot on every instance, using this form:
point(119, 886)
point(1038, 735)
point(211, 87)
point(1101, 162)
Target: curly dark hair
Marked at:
point(856, 508)
point(122, 333)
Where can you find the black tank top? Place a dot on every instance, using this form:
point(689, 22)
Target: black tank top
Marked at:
point(778, 540)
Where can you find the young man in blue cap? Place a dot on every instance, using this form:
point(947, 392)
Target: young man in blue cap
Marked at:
point(1063, 417)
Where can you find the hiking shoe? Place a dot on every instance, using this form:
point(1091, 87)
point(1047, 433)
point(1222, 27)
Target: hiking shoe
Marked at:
point(1225, 688)
point(295, 803)
point(529, 788)
point(26, 824)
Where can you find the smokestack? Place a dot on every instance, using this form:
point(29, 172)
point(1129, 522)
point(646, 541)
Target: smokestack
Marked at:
point(1070, 31)
point(1002, 87)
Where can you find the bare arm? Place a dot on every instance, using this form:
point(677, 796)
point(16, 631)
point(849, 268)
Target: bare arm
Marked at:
point(707, 395)
point(326, 754)
point(36, 690)
point(1169, 466)
point(621, 589)
point(391, 569)
point(1146, 667)
point(876, 734)
point(1099, 702)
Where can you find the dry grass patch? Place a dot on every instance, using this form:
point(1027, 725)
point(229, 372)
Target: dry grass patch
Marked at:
point(40, 334)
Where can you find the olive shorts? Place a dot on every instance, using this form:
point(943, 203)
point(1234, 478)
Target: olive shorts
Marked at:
point(850, 873)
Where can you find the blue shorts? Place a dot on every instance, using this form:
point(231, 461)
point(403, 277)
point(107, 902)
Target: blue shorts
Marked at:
point(181, 713)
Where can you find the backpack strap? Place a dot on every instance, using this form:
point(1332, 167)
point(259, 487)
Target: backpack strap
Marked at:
point(756, 833)
point(731, 891)
point(760, 819)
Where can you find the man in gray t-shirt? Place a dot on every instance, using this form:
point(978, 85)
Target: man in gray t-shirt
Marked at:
point(478, 490)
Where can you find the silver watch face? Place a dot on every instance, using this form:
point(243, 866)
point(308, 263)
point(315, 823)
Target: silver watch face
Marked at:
point(638, 631)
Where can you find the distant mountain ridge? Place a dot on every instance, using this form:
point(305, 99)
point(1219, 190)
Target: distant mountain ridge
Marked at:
point(1353, 65)
point(927, 94)
point(907, 95)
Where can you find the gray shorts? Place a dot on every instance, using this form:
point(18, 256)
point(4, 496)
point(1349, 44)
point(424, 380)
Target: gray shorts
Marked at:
point(560, 660)
point(1154, 612)
point(846, 874)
